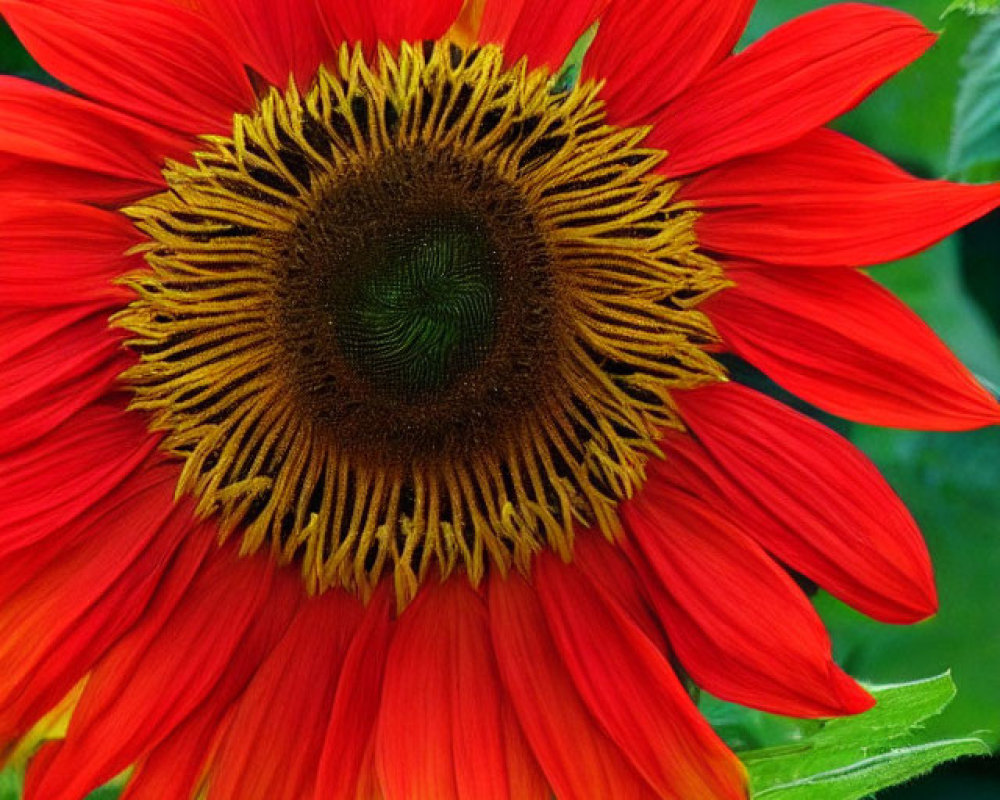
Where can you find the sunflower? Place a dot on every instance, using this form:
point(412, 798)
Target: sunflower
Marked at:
point(365, 426)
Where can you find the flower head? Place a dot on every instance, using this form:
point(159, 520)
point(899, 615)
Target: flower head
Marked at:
point(364, 427)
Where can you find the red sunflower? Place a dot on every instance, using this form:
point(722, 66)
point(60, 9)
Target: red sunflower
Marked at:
point(363, 433)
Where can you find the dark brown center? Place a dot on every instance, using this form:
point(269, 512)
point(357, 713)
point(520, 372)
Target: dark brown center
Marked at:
point(417, 306)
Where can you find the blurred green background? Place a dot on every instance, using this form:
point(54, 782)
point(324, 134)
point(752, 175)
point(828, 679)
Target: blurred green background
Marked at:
point(951, 482)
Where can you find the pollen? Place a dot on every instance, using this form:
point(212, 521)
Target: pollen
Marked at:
point(425, 315)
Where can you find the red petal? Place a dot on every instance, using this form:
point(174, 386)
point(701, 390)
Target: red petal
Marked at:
point(827, 201)
point(738, 623)
point(149, 57)
point(630, 687)
point(24, 330)
point(40, 266)
point(669, 46)
point(349, 734)
point(810, 498)
point(26, 176)
point(387, 21)
point(606, 565)
point(795, 79)
point(212, 642)
point(61, 360)
point(479, 736)
point(544, 31)
point(35, 416)
point(577, 757)
point(70, 148)
point(176, 765)
point(413, 744)
point(80, 354)
point(439, 734)
point(527, 782)
point(56, 626)
point(274, 739)
point(278, 38)
point(45, 486)
point(840, 341)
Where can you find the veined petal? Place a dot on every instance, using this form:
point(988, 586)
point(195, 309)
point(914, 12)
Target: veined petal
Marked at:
point(439, 733)
point(273, 741)
point(47, 125)
point(59, 146)
point(718, 595)
point(34, 416)
point(277, 38)
point(809, 497)
point(607, 567)
point(525, 776)
point(579, 760)
point(828, 201)
point(479, 736)
point(209, 641)
point(59, 352)
point(148, 57)
point(631, 689)
point(176, 765)
point(62, 620)
point(55, 480)
point(797, 78)
point(349, 735)
point(71, 353)
point(24, 330)
point(413, 745)
point(543, 31)
point(387, 21)
point(42, 267)
point(669, 46)
point(840, 341)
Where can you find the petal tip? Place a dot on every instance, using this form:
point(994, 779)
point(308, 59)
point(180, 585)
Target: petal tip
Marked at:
point(851, 697)
point(927, 603)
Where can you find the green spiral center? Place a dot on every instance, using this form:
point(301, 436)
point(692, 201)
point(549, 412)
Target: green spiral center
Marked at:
point(423, 311)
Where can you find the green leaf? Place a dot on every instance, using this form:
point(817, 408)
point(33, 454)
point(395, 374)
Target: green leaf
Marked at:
point(852, 757)
point(10, 785)
point(974, 7)
point(11, 781)
point(975, 146)
point(569, 74)
point(862, 778)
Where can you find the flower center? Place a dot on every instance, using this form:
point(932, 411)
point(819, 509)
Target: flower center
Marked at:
point(426, 315)
point(421, 312)
point(413, 291)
